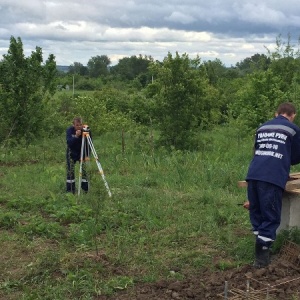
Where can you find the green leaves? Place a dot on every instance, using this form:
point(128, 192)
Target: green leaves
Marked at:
point(258, 99)
point(24, 84)
point(98, 65)
point(183, 99)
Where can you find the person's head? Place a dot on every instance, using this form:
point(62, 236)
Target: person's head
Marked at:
point(287, 109)
point(77, 123)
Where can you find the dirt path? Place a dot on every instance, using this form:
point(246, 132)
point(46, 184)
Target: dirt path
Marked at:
point(280, 281)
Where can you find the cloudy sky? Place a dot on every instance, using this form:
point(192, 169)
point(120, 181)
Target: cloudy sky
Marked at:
point(75, 31)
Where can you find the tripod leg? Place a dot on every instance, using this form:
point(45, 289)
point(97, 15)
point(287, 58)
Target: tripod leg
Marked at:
point(89, 140)
point(84, 179)
point(81, 162)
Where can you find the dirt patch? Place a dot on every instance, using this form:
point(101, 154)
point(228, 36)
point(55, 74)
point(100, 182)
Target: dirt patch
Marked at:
point(280, 281)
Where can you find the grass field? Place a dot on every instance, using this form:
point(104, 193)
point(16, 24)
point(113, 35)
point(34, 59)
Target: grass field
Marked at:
point(168, 212)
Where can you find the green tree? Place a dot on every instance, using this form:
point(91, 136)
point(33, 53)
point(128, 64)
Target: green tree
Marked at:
point(256, 100)
point(98, 66)
point(128, 68)
point(223, 79)
point(49, 75)
point(91, 107)
point(78, 68)
point(215, 70)
point(285, 62)
point(25, 86)
point(254, 63)
point(184, 100)
point(268, 82)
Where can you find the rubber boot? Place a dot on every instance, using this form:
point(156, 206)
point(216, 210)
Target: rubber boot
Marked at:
point(85, 185)
point(262, 256)
point(70, 187)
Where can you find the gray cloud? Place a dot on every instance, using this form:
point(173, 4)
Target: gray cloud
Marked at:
point(75, 31)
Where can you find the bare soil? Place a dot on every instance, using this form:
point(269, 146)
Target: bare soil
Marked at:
point(280, 280)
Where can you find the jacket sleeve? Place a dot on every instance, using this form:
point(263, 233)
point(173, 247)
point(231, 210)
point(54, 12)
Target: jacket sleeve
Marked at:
point(71, 138)
point(295, 151)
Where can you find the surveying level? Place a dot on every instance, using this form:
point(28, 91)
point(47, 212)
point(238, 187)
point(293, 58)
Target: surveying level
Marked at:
point(87, 144)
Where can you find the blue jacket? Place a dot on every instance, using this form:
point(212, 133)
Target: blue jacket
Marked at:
point(73, 144)
point(277, 147)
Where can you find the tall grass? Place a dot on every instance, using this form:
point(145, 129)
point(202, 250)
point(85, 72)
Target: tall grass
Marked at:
point(169, 211)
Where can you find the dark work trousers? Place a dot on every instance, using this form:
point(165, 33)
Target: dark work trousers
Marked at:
point(265, 210)
point(71, 176)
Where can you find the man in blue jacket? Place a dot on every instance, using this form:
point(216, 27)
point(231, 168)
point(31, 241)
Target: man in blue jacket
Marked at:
point(74, 142)
point(277, 147)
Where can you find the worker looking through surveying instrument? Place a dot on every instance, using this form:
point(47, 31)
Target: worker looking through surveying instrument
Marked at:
point(74, 142)
point(276, 148)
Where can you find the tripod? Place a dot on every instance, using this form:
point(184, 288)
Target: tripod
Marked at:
point(87, 144)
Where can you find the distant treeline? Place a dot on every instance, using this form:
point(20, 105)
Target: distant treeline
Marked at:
point(177, 98)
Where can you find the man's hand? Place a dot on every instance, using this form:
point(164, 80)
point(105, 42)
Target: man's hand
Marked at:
point(246, 205)
point(78, 133)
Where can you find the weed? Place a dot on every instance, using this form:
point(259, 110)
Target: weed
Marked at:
point(9, 220)
point(38, 226)
point(168, 211)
